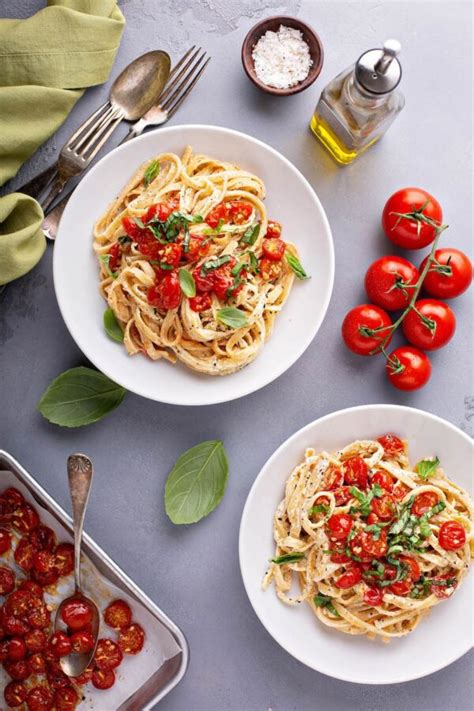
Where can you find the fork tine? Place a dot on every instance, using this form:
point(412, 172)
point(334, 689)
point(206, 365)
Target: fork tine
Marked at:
point(175, 81)
point(167, 105)
point(179, 64)
point(84, 149)
point(104, 138)
point(187, 91)
point(87, 123)
point(103, 120)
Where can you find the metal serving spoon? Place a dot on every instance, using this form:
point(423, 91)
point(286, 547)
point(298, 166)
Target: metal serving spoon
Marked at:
point(79, 469)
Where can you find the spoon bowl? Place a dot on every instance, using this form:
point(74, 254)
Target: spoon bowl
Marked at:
point(75, 663)
point(138, 86)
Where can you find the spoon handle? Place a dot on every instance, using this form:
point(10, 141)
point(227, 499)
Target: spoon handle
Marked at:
point(79, 470)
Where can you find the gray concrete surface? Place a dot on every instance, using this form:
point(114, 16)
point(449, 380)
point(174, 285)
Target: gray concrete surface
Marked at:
point(193, 572)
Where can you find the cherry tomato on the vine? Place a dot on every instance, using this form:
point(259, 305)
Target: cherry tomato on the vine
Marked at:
point(408, 368)
point(389, 282)
point(403, 218)
point(449, 275)
point(359, 325)
point(429, 325)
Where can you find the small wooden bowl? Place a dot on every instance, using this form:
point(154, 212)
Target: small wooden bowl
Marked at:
point(273, 23)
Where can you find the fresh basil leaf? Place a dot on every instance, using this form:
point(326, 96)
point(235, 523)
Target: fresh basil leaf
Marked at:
point(187, 283)
point(427, 467)
point(80, 396)
point(139, 222)
point(377, 490)
point(112, 326)
point(151, 172)
point(214, 263)
point(253, 265)
point(105, 259)
point(295, 264)
point(232, 317)
point(197, 482)
point(251, 233)
point(287, 558)
point(319, 508)
point(325, 601)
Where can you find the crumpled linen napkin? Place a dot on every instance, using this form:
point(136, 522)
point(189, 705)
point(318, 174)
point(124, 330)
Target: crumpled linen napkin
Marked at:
point(46, 62)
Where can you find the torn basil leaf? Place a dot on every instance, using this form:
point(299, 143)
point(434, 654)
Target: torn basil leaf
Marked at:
point(427, 467)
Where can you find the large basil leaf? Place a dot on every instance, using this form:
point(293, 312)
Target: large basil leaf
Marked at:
point(112, 326)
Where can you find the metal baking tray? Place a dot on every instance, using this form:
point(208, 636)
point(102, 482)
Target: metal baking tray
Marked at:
point(173, 647)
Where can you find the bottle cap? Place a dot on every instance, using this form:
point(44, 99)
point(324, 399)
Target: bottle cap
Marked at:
point(378, 70)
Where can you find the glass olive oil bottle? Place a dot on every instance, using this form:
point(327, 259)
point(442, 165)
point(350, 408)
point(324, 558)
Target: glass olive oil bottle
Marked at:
point(356, 108)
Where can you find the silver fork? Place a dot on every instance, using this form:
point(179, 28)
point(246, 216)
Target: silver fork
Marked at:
point(182, 80)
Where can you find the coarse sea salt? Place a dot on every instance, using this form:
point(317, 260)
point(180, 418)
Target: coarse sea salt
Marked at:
point(282, 59)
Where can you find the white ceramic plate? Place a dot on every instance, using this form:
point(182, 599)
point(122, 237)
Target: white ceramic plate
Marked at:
point(290, 200)
point(441, 638)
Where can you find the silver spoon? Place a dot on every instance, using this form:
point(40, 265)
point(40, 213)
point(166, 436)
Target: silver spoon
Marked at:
point(79, 469)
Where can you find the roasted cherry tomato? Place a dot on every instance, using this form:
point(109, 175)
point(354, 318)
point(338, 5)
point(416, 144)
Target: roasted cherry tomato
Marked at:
point(7, 580)
point(25, 554)
point(15, 694)
point(43, 538)
point(31, 587)
point(372, 546)
point(218, 213)
point(338, 556)
point(333, 478)
point(392, 445)
point(60, 644)
point(401, 218)
point(451, 536)
point(102, 679)
point(449, 275)
point(273, 229)
point(76, 614)
point(383, 479)
point(118, 614)
point(160, 211)
point(16, 648)
point(200, 302)
point(268, 269)
point(339, 526)
point(443, 586)
point(5, 540)
point(108, 655)
point(400, 490)
point(373, 596)
point(239, 211)
point(64, 558)
point(384, 507)
point(18, 603)
point(414, 572)
point(39, 617)
point(204, 282)
point(349, 579)
point(274, 249)
point(360, 328)
point(40, 698)
point(171, 254)
point(408, 368)
point(19, 671)
point(45, 579)
point(56, 677)
point(84, 678)
point(167, 294)
point(389, 282)
point(424, 502)
point(25, 518)
point(66, 699)
point(44, 561)
point(197, 249)
point(342, 495)
point(35, 641)
point(37, 663)
point(82, 642)
point(429, 325)
point(131, 639)
point(402, 587)
point(115, 256)
point(14, 626)
point(355, 472)
point(13, 497)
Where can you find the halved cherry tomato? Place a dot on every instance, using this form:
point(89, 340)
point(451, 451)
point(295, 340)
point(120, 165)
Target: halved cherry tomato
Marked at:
point(171, 254)
point(82, 642)
point(37, 663)
point(200, 302)
point(35, 641)
point(273, 229)
point(269, 270)
point(64, 558)
point(102, 679)
point(410, 232)
point(15, 694)
point(160, 211)
point(108, 655)
point(355, 472)
point(198, 248)
point(31, 587)
point(424, 502)
point(449, 275)
point(439, 587)
point(339, 526)
point(25, 554)
point(44, 561)
point(413, 568)
point(167, 294)
point(429, 325)
point(372, 546)
point(373, 596)
point(16, 649)
point(338, 557)
point(364, 327)
point(402, 587)
point(66, 699)
point(222, 283)
point(131, 639)
point(18, 603)
point(14, 626)
point(40, 616)
point(333, 478)
point(239, 211)
point(60, 644)
point(118, 614)
point(5, 540)
point(115, 253)
point(408, 368)
point(39, 698)
point(384, 507)
point(7, 580)
point(451, 536)
point(25, 518)
point(43, 538)
point(400, 490)
point(349, 579)
point(76, 614)
point(342, 495)
point(274, 249)
point(392, 445)
point(204, 282)
point(56, 677)
point(372, 518)
point(383, 479)
point(389, 282)
point(218, 213)
point(13, 497)
point(18, 671)
point(84, 678)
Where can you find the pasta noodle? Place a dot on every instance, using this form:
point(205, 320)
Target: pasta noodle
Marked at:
point(374, 543)
point(216, 318)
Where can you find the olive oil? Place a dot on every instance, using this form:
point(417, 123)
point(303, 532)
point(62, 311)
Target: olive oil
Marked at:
point(356, 108)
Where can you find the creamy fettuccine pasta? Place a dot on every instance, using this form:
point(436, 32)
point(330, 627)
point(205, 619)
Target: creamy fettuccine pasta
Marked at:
point(190, 266)
point(373, 542)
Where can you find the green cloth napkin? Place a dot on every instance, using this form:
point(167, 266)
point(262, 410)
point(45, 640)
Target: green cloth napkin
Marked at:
point(46, 62)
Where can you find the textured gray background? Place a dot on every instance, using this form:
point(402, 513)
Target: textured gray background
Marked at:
point(193, 572)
